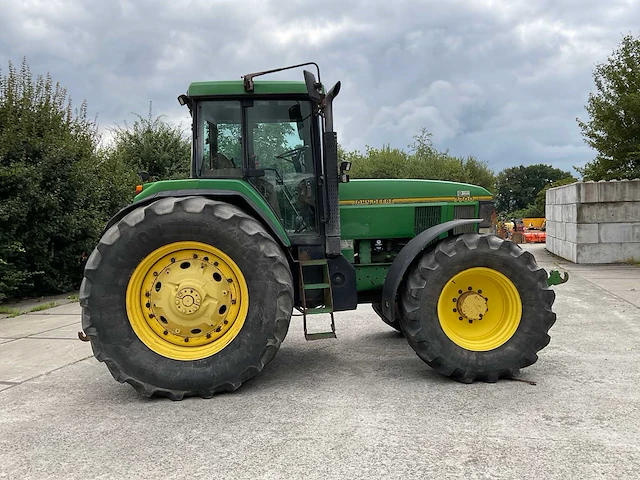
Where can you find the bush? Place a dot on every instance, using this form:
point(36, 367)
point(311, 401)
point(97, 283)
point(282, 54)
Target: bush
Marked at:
point(53, 202)
point(422, 161)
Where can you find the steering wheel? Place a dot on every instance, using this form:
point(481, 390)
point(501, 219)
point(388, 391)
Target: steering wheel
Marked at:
point(295, 156)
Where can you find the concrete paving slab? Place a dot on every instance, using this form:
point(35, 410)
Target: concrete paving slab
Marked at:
point(615, 284)
point(632, 297)
point(67, 332)
point(29, 357)
point(25, 325)
point(72, 308)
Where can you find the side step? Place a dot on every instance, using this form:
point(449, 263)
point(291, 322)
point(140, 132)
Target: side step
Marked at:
point(325, 285)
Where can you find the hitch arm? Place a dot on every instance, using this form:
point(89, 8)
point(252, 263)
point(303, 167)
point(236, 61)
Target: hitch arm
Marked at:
point(556, 279)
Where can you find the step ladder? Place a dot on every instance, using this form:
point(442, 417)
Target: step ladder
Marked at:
point(328, 298)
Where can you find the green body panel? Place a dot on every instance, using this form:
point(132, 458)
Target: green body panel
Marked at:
point(212, 184)
point(236, 87)
point(385, 208)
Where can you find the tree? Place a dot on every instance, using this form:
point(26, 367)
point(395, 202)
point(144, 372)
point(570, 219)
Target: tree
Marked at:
point(422, 161)
point(517, 187)
point(613, 127)
point(152, 145)
point(50, 214)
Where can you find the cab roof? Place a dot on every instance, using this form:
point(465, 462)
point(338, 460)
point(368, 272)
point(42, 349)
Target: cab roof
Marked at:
point(236, 87)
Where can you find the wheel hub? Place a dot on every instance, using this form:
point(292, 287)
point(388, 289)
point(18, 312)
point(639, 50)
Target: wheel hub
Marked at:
point(472, 305)
point(188, 300)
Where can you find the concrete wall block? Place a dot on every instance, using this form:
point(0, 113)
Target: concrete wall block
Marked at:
point(607, 252)
point(570, 232)
point(564, 249)
point(587, 233)
point(569, 213)
point(569, 193)
point(560, 231)
point(619, 232)
point(611, 212)
point(550, 196)
point(552, 212)
point(589, 192)
point(619, 191)
point(551, 228)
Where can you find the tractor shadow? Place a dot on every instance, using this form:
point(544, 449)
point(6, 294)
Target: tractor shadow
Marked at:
point(311, 365)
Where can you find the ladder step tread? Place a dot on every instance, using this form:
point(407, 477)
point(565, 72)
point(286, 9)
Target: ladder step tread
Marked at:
point(315, 311)
point(316, 286)
point(320, 336)
point(306, 263)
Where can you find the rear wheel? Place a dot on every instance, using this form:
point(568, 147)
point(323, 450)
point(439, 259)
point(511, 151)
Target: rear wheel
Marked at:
point(186, 296)
point(477, 307)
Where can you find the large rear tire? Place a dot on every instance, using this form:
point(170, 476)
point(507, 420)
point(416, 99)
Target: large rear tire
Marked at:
point(186, 296)
point(477, 307)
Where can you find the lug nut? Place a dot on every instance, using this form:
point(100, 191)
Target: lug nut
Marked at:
point(215, 264)
point(195, 255)
point(470, 321)
point(173, 260)
point(459, 291)
point(455, 310)
point(186, 339)
point(469, 288)
point(208, 335)
point(479, 291)
point(459, 318)
point(165, 332)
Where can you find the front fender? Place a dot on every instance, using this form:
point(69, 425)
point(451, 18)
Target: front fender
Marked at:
point(405, 258)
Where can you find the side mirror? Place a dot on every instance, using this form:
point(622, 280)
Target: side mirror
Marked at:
point(313, 87)
point(344, 167)
point(144, 176)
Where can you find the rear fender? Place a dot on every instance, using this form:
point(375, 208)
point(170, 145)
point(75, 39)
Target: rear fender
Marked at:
point(406, 257)
point(230, 196)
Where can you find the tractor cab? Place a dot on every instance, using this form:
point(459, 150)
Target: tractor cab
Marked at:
point(272, 135)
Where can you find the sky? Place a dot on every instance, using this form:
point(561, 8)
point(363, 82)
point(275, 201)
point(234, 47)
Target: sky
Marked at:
point(503, 81)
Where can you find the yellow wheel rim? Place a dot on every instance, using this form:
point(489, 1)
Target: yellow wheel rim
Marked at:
point(187, 300)
point(479, 309)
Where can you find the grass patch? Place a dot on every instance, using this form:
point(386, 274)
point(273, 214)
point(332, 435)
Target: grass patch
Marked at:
point(12, 312)
point(44, 306)
point(74, 298)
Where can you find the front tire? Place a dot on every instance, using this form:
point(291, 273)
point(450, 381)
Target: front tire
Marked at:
point(477, 307)
point(186, 296)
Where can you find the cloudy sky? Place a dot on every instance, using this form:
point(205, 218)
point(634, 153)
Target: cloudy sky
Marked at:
point(501, 80)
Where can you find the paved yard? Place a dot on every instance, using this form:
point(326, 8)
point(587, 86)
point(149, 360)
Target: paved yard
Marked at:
point(362, 406)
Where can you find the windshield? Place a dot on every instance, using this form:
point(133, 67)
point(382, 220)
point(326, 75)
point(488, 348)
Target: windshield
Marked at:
point(277, 152)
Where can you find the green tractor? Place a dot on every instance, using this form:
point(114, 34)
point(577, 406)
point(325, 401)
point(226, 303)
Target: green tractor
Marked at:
point(191, 288)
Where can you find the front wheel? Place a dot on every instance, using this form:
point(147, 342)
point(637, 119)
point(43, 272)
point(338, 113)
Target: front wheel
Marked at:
point(477, 307)
point(186, 296)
